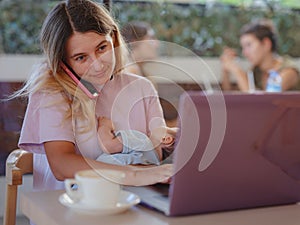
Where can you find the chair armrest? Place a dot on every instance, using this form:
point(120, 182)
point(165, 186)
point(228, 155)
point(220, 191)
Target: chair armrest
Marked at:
point(18, 162)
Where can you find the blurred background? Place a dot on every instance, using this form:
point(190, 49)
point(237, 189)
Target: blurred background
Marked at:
point(194, 27)
point(203, 26)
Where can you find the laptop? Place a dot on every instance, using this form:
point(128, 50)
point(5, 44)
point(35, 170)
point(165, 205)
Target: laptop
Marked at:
point(234, 151)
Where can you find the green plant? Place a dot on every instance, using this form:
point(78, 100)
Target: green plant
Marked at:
point(203, 28)
point(20, 22)
point(206, 29)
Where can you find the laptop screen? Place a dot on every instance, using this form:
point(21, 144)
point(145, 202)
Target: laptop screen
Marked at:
point(236, 151)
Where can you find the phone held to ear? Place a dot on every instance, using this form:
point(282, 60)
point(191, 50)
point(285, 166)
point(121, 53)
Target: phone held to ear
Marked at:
point(85, 86)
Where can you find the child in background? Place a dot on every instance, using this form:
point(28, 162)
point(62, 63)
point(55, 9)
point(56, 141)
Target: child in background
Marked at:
point(259, 46)
point(142, 43)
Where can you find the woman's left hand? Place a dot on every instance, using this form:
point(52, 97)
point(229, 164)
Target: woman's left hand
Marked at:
point(152, 175)
point(139, 175)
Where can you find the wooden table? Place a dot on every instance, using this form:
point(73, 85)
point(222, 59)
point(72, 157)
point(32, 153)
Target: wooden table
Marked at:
point(43, 208)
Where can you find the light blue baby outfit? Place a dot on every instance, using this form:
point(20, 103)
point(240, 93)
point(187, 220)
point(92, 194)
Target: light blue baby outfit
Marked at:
point(137, 149)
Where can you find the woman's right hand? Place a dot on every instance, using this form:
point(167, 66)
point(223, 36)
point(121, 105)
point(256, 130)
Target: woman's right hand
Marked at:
point(228, 58)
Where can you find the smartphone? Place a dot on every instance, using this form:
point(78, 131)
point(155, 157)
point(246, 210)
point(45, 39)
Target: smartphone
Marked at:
point(85, 86)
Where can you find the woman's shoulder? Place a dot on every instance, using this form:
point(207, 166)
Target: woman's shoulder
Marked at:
point(288, 62)
point(130, 77)
point(46, 98)
point(134, 69)
point(291, 71)
point(43, 95)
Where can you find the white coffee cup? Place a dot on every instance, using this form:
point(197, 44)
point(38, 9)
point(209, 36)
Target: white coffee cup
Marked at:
point(89, 188)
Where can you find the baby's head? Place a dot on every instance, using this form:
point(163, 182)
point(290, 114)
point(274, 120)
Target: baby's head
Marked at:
point(166, 147)
point(169, 139)
point(167, 142)
point(163, 140)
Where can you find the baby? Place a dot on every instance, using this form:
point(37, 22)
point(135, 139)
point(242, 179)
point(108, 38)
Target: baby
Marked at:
point(126, 147)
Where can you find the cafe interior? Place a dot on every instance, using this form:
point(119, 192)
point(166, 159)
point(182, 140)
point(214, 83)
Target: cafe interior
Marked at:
point(236, 157)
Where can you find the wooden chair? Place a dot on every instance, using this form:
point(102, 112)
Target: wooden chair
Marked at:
point(18, 163)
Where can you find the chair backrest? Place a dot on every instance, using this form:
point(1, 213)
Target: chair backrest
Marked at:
point(18, 163)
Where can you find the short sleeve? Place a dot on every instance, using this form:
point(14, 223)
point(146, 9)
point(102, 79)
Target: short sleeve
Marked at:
point(44, 121)
point(154, 110)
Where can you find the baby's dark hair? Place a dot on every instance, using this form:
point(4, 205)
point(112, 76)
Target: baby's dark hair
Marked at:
point(262, 29)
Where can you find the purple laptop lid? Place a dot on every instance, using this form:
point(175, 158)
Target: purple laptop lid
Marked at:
point(236, 151)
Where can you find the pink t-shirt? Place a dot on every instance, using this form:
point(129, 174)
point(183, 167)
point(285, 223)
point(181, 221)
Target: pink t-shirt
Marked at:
point(130, 101)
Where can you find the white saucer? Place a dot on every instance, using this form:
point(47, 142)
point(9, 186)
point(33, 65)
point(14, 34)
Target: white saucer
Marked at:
point(126, 200)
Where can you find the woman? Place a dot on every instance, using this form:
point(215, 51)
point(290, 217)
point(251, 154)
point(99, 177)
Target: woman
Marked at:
point(142, 43)
point(259, 46)
point(60, 125)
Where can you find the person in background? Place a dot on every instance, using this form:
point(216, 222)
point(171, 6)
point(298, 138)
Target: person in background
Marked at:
point(83, 45)
point(259, 46)
point(142, 43)
point(144, 47)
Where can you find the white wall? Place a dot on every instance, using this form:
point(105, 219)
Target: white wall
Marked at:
point(17, 67)
point(190, 69)
point(177, 69)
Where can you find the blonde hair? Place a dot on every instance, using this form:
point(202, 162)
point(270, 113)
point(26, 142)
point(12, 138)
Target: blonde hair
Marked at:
point(62, 21)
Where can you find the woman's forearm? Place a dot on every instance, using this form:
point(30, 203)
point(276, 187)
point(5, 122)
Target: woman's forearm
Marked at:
point(225, 83)
point(132, 175)
point(241, 78)
point(64, 163)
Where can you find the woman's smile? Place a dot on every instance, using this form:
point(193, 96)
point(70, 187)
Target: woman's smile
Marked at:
point(91, 56)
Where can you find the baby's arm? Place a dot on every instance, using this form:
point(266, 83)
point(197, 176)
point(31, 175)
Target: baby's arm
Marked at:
point(109, 143)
